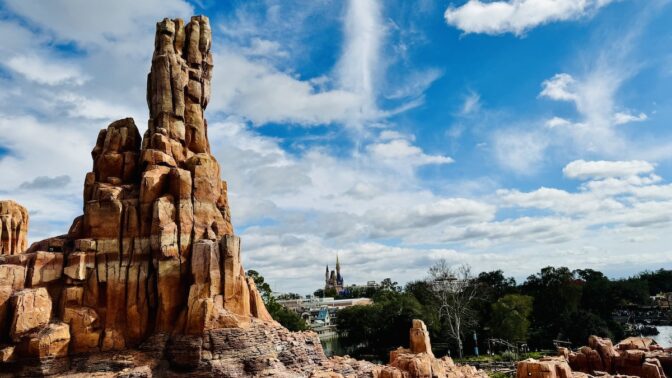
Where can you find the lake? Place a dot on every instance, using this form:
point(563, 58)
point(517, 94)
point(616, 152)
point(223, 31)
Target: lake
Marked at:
point(664, 338)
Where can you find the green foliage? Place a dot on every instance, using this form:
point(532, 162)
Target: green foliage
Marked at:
point(510, 317)
point(321, 293)
point(659, 281)
point(288, 318)
point(263, 287)
point(582, 324)
point(556, 303)
point(372, 331)
point(508, 355)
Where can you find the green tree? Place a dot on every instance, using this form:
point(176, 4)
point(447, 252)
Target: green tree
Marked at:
point(371, 331)
point(288, 318)
point(557, 296)
point(510, 317)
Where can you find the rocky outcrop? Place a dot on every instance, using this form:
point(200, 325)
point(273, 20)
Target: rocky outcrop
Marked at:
point(154, 252)
point(418, 361)
point(148, 280)
point(13, 228)
point(636, 357)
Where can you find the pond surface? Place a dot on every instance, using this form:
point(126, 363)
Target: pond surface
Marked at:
point(664, 338)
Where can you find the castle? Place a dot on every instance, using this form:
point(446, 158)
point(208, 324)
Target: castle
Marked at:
point(333, 279)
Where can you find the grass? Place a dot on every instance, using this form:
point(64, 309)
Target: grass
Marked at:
point(498, 358)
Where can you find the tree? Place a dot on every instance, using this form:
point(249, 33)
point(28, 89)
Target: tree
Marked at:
point(388, 284)
point(456, 293)
point(288, 318)
point(263, 287)
point(557, 296)
point(288, 296)
point(371, 331)
point(510, 317)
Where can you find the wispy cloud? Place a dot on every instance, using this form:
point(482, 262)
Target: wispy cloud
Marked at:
point(517, 16)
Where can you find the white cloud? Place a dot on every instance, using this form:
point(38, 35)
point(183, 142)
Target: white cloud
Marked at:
point(359, 67)
point(36, 69)
point(621, 118)
point(581, 169)
point(517, 16)
point(99, 23)
point(557, 122)
point(400, 150)
point(560, 87)
point(519, 151)
point(472, 103)
point(260, 93)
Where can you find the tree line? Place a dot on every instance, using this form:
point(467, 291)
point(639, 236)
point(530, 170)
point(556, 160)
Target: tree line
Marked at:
point(554, 304)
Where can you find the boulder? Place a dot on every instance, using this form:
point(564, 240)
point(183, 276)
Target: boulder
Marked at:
point(49, 342)
point(47, 267)
point(31, 310)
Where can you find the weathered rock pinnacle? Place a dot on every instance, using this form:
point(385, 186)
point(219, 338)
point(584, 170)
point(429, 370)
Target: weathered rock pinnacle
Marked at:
point(154, 251)
point(149, 280)
point(13, 228)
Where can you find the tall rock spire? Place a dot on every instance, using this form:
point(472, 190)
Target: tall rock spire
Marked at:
point(154, 251)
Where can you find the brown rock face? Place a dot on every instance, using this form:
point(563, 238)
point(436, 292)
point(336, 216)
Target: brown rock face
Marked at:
point(13, 228)
point(148, 280)
point(634, 356)
point(154, 251)
point(419, 362)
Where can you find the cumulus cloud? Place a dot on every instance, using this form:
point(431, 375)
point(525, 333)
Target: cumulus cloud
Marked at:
point(401, 151)
point(262, 94)
point(581, 169)
point(517, 16)
point(621, 118)
point(45, 182)
point(53, 72)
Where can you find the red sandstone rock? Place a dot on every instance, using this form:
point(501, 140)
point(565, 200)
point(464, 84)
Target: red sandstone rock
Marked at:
point(50, 341)
point(419, 338)
point(31, 309)
point(13, 228)
point(548, 367)
point(419, 361)
point(149, 278)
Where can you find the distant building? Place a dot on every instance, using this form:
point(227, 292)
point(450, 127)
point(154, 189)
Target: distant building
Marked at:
point(334, 279)
point(320, 313)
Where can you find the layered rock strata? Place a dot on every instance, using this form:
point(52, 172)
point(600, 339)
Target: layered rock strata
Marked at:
point(13, 228)
point(149, 280)
point(154, 251)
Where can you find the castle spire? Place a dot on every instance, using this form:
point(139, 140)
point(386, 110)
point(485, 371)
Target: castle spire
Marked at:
point(338, 265)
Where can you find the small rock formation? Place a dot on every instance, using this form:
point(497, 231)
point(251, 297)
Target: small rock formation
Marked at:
point(635, 356)
point(547, 367)
point(149, 281)
point(418, 361)
point(13, 228)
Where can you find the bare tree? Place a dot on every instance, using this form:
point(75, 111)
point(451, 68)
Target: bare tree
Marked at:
point(456, 292)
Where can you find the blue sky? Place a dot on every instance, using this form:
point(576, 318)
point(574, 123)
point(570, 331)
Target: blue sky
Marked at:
point(503, 134)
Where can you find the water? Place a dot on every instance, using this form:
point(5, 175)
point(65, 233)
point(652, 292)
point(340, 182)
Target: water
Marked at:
point(332, 347)
point(664, 338)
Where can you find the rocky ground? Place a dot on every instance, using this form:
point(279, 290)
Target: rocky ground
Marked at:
point(634, 356)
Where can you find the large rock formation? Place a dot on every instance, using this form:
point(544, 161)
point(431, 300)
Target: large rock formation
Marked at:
point(154, 252)
point(13, 228)
point(149, 279)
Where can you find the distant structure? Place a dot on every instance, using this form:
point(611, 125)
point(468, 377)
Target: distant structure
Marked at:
point(333, 279)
